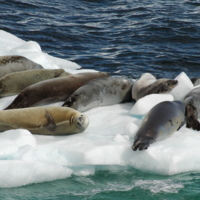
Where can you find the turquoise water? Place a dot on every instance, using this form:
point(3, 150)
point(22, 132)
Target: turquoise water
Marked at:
point(120, 184)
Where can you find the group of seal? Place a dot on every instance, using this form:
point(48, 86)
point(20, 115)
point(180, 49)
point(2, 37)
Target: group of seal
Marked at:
point(82, 92)
point(52, 90)
point(19, 74)
point(166, 117)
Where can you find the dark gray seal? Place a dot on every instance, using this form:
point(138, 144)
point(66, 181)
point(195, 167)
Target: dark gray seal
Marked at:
point(9, 64)
point(192, 109)
point(100, 92)
point(53, 90)
point(148, 84)
point(160, 122)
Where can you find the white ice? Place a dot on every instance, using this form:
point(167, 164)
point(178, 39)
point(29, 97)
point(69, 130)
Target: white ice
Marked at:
point(27, 158)
point(145, 104)
point(184, 86)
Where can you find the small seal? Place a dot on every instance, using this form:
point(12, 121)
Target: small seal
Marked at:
point(14, 83)
point(160, 122)
point(148, 84)
point(192, 109)
point(50, 120)
point(52, 90)
point(9, 64)
point(100, 92)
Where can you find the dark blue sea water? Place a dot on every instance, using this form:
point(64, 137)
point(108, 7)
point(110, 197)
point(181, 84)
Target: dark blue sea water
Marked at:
point(125, 37)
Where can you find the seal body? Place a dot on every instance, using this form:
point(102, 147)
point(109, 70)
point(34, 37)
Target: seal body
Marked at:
point(148, 84)
point(14, 83)
point(50, 120)
point(100, 92)
point(9, 64)
point(160, 122)
point(192, 109)
point(52, 90)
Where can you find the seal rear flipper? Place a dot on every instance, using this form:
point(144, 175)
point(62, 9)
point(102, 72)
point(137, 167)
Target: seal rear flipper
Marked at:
point(51, 126)
point(21, 101)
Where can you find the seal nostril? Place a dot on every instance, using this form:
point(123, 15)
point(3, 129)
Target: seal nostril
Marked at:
point(80, 119)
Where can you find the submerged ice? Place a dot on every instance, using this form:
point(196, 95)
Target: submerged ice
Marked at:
point(27, 158)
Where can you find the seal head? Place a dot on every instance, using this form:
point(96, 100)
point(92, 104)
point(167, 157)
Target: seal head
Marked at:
point(148, 84)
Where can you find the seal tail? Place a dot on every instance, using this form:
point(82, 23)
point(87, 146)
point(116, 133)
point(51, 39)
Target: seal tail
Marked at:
point(19, 101)
point(15, 104)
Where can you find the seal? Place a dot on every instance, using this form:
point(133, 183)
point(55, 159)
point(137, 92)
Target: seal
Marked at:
point(14, 83)
point(195, 81)
point(160, 122)
point(148, 84)
point(49, 120)
point(9, 64)
point(100, 92)
point(192, 109)
point(52, 90)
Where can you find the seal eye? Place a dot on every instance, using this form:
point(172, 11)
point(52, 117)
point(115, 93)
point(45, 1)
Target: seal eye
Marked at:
point(124, 86)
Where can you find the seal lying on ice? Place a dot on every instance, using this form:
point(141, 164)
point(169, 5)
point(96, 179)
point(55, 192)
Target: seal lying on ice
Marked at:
point(100, 92)
point(15, 82)
point(50, 120)
point(148, 84)
point(9, 64)
point(161, 121)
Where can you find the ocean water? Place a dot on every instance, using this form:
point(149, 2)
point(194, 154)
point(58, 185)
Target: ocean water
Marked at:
point(124, 38)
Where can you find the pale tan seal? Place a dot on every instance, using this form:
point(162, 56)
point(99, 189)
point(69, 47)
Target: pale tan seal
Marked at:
point(148, 84)
point(100, 92)
point(53, 90)
point(50, 120)
point(160, 122)
point(14, 83)
point(9, 64)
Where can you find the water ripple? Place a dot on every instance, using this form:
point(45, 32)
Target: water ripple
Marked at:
point(161, 37)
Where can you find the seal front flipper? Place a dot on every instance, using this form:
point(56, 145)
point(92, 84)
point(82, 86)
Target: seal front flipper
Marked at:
point(182, 123)
point(141, 145)
point(51, 126)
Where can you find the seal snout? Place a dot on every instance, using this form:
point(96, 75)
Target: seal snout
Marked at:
point(83, 121)
point(175, 83)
